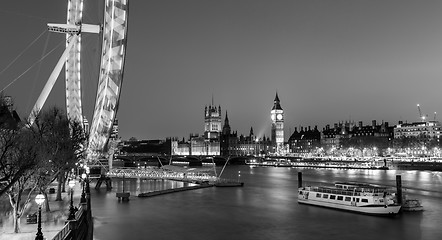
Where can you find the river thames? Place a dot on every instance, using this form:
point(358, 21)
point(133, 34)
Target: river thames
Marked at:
point(265, 208)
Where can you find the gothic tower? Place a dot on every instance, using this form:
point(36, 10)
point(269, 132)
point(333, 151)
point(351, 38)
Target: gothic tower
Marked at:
point(226, 127)
point(225, 137)
point(212, 122)
point(277, 116)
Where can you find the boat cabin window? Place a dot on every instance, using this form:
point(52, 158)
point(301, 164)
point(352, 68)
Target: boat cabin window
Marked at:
point(355, 199)
point(381, 200)
point(318, 195)
point(348, 199)
point(340, 198)
point(332, 196)
point(364, 200)
point(325, 196)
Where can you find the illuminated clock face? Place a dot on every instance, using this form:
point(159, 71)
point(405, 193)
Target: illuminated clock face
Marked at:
point(279, 116)
point(273, 117)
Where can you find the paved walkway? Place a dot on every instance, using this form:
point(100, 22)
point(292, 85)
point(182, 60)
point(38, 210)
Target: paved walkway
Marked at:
point(52, 222)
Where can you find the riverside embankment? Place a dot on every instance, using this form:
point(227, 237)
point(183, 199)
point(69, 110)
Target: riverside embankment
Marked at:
point(52, 221)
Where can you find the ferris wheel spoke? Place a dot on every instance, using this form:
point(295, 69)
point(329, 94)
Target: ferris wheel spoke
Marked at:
point(111, 68)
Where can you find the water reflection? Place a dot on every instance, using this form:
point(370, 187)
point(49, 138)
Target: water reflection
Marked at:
point(139, 185)
point(265, 208)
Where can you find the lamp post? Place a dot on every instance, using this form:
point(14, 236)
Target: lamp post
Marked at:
point(71, 208)
point(239, 175)
point(87, 179)
point(39, 199)
point(83, 198)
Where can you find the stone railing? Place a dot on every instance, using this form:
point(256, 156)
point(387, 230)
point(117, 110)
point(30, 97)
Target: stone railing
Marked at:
point(81, 227)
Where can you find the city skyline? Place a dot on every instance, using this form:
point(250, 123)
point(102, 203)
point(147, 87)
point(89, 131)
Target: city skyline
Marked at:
point(328, 61)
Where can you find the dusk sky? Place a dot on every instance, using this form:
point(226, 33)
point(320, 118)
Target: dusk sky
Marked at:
point(328, 60)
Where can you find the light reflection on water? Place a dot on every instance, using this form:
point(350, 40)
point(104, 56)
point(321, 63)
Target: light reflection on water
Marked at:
point(265, 208)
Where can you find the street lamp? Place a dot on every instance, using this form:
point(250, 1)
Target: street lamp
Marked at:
point(71, 208)
point(239, 175)
point(83, 198)
point(39, 199)
point(87, 179)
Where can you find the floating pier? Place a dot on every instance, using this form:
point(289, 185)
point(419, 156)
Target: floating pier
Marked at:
point(173, 190)
point(408, 205)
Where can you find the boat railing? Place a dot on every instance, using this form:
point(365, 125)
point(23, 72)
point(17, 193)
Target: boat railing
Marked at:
point(334, 191)
point(354, 192)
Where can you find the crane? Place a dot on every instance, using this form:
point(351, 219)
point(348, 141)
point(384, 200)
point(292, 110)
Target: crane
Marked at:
point(422, 116)
point(420, 113)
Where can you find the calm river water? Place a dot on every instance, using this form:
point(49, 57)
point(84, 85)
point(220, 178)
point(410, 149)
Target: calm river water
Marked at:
point(265, 208)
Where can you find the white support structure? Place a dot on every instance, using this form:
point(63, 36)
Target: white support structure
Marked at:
point(111, 69)
point(71, 57)
point(50, 83)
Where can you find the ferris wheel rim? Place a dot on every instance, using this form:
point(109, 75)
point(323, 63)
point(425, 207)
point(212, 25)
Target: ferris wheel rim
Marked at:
point(114, 34)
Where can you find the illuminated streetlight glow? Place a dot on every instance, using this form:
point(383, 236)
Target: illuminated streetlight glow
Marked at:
point(39, 199)
point(83, 197)
point(71, 209)
point(72, 183)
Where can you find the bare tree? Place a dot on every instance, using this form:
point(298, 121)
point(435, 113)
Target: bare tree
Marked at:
point(63, 142)
point(11, 167)
point(27, 153)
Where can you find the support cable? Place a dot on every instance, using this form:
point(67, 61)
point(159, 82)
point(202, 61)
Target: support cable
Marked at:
point(24, 50)
point(41, 59)
point(38, 71)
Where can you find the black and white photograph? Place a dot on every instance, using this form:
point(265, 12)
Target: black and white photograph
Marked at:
point(220, 119)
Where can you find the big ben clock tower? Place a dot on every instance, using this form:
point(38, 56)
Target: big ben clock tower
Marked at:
point(277, 116)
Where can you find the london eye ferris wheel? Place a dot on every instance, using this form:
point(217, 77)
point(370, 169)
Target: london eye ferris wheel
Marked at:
point(111, 69)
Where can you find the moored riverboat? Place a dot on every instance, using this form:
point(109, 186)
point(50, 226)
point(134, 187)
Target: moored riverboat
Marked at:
point(350, 196)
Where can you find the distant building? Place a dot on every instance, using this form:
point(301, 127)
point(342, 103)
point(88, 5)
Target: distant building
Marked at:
point(228, 139)
point(232, 145)
point(209, 143)
point(212, 122)
point(181, 148)
point(334, 137)
point(114, 133)
point(431, 129)
point(277, 117)
point(86, 126)
point(252, 145)
point(304, 141)
point(331, 137)
point(223, 141)
point(149, 147)
point(9, 118)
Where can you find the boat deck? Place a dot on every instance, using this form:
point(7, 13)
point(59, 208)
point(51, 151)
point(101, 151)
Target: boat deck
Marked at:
point(347, 192)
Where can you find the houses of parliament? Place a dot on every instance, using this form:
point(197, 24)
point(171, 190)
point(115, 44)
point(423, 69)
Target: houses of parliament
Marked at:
point(219, 139)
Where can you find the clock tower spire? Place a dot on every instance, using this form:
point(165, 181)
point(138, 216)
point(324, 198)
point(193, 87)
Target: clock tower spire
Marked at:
point(277, 117)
